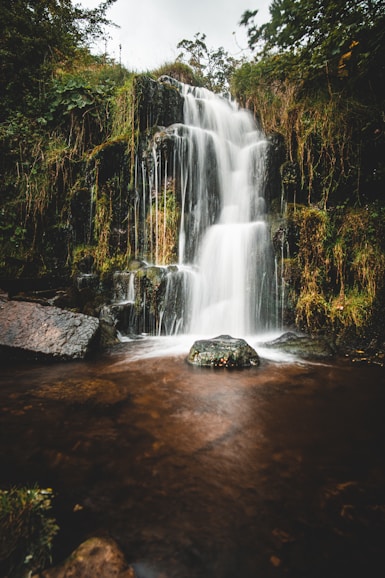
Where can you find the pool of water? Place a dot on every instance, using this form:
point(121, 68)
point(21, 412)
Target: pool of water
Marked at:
point(277, 470)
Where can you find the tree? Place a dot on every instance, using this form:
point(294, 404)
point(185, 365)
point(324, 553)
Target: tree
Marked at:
point(35, 36)
point(212, 66)
point(319, 79)
point(322, 33)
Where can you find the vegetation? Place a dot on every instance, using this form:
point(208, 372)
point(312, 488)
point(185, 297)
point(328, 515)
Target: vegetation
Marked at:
point(336, 38)
point(212, 67)
point(56, 109)
point(337, 269)
point(163, 221)
point(179, 71)
point(26, 531)
point(36, 38)
point(318, 80)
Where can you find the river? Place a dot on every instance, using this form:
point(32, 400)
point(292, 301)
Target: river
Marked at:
point(272, 471)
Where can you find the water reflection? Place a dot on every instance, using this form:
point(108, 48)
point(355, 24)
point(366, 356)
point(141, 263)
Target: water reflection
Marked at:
point(271, 471)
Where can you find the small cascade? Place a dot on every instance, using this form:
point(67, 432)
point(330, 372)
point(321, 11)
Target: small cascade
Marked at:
point(175, 313)
point(124, 286)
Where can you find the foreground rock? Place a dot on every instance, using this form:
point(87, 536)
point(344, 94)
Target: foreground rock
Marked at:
point(33, 331)
point(95, 558)
point(222, 351)
point(303, 346)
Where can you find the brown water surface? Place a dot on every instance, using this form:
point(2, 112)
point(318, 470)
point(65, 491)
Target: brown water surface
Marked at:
point(272, 471)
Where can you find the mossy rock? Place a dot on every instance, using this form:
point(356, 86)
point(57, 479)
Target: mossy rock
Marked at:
point(222, 351)
point(304, 346)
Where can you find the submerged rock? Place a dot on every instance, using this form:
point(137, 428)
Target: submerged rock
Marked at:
point(222, 351)
point(30, 330)
point(304, 346)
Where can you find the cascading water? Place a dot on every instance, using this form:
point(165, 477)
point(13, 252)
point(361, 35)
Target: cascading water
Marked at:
point(212, 168)
point(224, 234)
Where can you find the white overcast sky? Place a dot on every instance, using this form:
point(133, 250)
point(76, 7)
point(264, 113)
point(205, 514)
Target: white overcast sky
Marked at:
point(151, 29)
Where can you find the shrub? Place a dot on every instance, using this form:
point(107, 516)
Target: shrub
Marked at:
point(26, 531)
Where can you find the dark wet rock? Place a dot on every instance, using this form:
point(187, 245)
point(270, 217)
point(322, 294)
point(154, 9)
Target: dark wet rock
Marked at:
point(87, 280)
point(28, 285)
point(95, 558)
point(108, 331)
point(160, 103)
point(33, 331)
point(222, 351)
point(70, 298)
point(304, 346)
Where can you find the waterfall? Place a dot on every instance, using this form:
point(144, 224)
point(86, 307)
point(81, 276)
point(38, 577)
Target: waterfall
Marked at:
point(206, 176)
point(224, 235)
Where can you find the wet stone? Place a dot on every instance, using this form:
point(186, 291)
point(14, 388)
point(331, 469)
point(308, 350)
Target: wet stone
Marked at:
point(222, 351)
point(95, 558)
point(304, 346)
point(33, 331)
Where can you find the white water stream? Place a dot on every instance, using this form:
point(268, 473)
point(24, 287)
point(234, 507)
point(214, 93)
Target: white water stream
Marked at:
point(224, 234)
point(224, 281)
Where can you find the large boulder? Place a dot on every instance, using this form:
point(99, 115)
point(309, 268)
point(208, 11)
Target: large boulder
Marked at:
point(33, 331)
point(222, 351)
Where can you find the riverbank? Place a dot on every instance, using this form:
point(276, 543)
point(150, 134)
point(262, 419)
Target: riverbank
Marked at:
point(91, 307)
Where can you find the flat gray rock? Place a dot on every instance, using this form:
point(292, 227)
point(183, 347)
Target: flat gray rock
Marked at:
point(30, 330)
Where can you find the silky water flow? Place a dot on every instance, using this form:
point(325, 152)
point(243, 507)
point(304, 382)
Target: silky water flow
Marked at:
point(230, 292)
point(224, 282)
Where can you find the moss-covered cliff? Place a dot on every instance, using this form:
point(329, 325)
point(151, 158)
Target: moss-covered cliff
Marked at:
point(70, 186)
point(333, 269)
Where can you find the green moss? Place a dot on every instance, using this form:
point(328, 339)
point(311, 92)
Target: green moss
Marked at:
point(83, 259)
point(336, 273)
point(311, 309)
point(352, 312)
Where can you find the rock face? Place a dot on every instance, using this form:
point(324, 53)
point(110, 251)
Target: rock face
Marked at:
point(33, 331)
point(95, 558)
point(222, 351)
